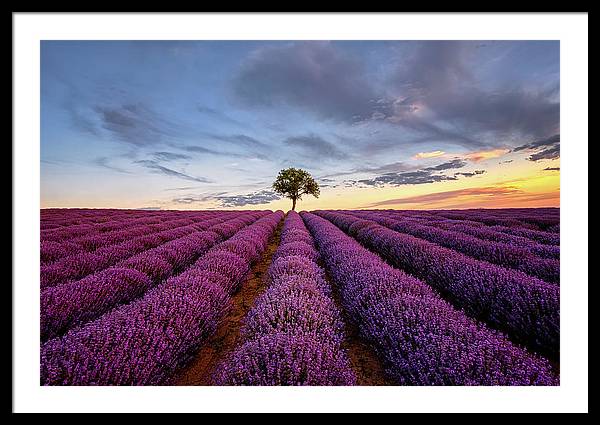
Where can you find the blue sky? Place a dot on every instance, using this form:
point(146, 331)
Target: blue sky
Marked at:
point(208, 124)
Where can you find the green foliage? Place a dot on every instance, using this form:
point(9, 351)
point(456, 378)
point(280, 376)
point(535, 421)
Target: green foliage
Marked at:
point(293, 183)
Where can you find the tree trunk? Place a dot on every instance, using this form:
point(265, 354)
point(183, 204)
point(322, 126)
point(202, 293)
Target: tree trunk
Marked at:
point(293, 204)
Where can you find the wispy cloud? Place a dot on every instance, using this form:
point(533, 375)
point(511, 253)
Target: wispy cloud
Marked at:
point(219, 115)
point(316, 147)
point(552, 169)
point(426, 155)
point(155, 167)
point(169, 156)
point(137, 124)
point(483, 155)
point(105, 163)
point(490, 191)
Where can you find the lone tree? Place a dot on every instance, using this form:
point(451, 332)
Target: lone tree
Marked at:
point(293, 183)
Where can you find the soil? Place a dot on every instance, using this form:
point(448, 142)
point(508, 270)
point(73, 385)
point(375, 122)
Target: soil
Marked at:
point(366, 365)
point(227, 337)
point(364, 361)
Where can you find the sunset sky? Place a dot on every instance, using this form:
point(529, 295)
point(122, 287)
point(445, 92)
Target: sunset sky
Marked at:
point(379, 124)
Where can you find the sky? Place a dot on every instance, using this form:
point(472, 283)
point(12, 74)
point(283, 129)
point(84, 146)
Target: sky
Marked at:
point(379, 124)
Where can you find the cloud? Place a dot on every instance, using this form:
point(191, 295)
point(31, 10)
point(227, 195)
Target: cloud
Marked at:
point(471, 174)
point(393, 167)
point(426, 155)
point(219, 115)
point(169, 156)
point(412, 177)
point(182, 188)
point(201, 149)
point(312, 75)
point(455, 163)
point(542, 143)
point(552, 169)
point(437, 80)
point(483, 155)
point(490, 191)
point(550, 153)
point(548, 148)
point(156, 168)
point(105, 163)
point(315, 146)
point(420, 176)
point(137, 124)
point(256, 198)
point(499, 196)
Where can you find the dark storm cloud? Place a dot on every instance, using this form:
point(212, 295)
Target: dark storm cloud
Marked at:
point(156, 168)
point(314, 145)
point(256, 198)
point(137, 124)
point(314, 76)
point(548, 148)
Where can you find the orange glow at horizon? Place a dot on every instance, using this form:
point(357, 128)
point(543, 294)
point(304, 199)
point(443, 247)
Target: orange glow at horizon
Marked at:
point(521, 184)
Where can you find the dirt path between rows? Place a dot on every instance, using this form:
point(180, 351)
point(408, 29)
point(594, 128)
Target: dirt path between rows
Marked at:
point(227, 337)
point(364, 361)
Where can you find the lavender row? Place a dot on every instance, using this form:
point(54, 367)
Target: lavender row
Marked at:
point(524, 307)
point(50, 218)
point(77, 266)
point(86, 230)
point(435, 217)
point(293, 334)
point(421, 338)
point(51, 251)
point(100, 225)
point(510, 220)
point(73, 304)
point(147, 341)
point(481, 231)
point(499, 253)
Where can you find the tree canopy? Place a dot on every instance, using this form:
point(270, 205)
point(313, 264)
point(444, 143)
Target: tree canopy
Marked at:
point(293, 183)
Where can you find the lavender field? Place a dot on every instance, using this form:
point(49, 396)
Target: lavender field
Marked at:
point(328, 297)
